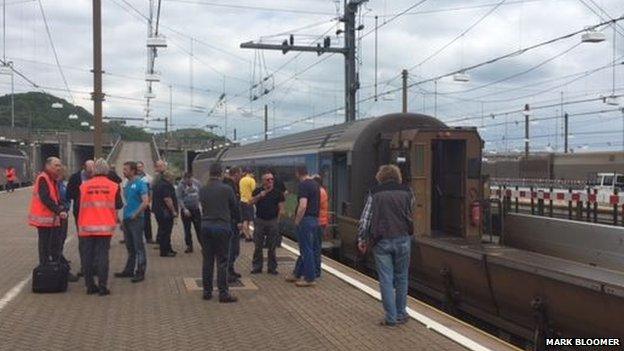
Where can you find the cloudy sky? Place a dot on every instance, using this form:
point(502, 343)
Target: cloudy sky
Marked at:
point(432, 39)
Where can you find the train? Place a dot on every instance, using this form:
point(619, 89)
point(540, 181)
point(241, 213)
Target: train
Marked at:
point(583, 167)
point(525, 291)
point(19, 160)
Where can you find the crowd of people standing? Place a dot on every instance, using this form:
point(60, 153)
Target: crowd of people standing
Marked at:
point(227, 208)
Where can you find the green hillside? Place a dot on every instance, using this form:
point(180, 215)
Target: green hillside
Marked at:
point(35, 109)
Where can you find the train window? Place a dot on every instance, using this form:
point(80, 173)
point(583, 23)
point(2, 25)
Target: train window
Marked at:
point(419, 160)
point(474, 168)
point(619, 181)
point(607, 180)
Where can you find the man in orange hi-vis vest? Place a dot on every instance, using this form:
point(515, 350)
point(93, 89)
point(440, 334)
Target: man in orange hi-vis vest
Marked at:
point(11, 179)
point(46, 210)
point(100, 198)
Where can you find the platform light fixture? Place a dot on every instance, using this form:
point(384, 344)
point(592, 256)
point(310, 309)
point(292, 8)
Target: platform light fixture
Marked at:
point(461, 77)
point(592, 36)
point(57, 105)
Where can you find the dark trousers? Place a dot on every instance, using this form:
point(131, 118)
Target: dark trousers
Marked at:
point(147, 227)
point(306, 237)
point(133, 235)
point(265, 231)
point(233, 248)
point(215, 240)
point(165, 226)
point(50, 245)
point(95, 263)
point(195, 220)
point(10, 186)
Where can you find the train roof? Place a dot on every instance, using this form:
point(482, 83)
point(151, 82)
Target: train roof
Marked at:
point(340, 137)
point(4, 150)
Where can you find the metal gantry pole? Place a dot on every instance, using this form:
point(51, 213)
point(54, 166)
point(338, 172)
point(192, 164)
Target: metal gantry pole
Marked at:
point(266, 122)
point(404, 75)
point(97, 78)
point(526, 130)
point(565, 130)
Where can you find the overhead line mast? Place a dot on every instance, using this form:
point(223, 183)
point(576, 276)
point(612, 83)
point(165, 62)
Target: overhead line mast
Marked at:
point(352, 83)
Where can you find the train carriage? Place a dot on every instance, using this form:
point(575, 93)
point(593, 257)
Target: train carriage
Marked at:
point(449, 262)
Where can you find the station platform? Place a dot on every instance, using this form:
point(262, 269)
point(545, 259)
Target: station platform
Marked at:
point(166, 312)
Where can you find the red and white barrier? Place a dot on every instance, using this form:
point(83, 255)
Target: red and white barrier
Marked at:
point(557, 196)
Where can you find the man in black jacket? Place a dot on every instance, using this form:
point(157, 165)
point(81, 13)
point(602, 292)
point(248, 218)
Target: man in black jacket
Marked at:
point(220, 208)
point(73, 194)
point(73, 187)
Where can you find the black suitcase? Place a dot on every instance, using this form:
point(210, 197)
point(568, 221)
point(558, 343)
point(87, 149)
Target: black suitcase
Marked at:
point(50, 277)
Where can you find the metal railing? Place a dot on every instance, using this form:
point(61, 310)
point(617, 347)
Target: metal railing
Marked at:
point(112, 156)
point(154, 147)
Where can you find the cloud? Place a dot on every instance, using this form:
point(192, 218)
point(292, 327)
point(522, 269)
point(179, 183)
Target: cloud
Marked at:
point(403, 43)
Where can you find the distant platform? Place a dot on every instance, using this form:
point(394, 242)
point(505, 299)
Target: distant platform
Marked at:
point(166, 312)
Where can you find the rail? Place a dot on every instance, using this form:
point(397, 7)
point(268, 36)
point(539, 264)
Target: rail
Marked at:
point(114, 151)
point(154, 147)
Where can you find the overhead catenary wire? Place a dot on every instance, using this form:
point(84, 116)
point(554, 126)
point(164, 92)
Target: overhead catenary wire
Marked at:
point(56, 58)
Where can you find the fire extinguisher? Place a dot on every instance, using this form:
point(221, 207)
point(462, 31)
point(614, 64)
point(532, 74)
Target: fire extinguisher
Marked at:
point(475, 213)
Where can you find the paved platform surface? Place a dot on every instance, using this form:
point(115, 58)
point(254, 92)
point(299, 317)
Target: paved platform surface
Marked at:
point(162, 313)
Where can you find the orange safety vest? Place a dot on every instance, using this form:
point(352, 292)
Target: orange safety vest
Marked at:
point(40, 215)
point(97, 215)
point(323, 207)
point(10, 175)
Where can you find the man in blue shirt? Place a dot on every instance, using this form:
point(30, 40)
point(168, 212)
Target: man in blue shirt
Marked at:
point(137, 200)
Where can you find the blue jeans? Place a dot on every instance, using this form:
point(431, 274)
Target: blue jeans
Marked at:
point(233, 248)
point(392, 257)
point(306, 237)
point(133, 235)
point(318, 246)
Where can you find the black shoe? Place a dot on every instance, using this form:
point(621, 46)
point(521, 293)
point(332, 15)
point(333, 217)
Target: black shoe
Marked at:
point(124, 275)
point(94, 289)
point(173, 252)
point(168, 254)
point(235, 274)
point(150, 241)
point(248, 240)
point(72, 278)
point(207, 296)
point(228, 299)
point(402, 320)
point(79, 274)
point(256, 271)
point(273, 271)
point(139, 277)
point(104, 291)
point(122, 241)
point(188, 250)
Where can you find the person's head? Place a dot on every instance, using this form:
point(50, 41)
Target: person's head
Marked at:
point(187, 178)
point(248, 171)
point(301, 172)
point(216, 171)
point(100, 167)
point(63, 174)
point(235, 173)
point(168, 176)
point(160, 166)
point(389, 173)
point(140, 167)
point(88, 167)
point(53, 166)
point(318, 179)
point(268, 180)
point(10, 167)
point(130, 169)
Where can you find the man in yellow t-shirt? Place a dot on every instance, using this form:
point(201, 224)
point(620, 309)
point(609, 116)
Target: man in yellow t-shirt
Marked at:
point(247, 185)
